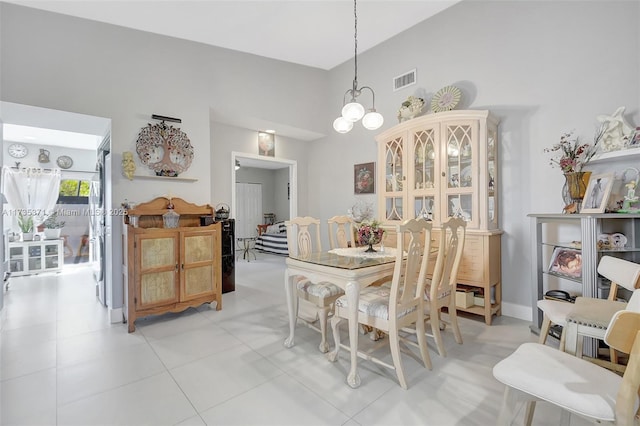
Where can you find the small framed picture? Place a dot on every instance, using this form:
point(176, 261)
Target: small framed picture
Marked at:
point(364, 178)
point(597, 193)
point(567, 262)
point(267, 144)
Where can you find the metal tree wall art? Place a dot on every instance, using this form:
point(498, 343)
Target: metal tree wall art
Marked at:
point(164, 149)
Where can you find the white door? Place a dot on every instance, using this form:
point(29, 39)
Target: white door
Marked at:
point(249, 209)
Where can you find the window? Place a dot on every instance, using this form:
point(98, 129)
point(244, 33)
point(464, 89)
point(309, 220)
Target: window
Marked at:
point(74, 191)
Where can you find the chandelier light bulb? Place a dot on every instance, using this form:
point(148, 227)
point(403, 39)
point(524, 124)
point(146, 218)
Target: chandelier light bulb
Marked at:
point(352, 111)
point(341, 125)
point(372, 120)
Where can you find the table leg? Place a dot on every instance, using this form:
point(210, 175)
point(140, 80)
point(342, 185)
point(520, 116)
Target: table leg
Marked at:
point(352, 292)
point(292, 307)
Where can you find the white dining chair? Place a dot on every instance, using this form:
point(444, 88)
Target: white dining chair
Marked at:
point(440, 290)
point(401, 305)
point(303, 238)
point(535, 372)
point(340, 232)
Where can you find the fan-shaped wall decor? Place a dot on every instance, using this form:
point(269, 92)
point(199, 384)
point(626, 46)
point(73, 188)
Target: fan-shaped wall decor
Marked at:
point(164, 149)
point(446, 99)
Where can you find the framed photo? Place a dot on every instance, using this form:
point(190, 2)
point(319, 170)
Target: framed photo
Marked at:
point(267, 144)
point(364, 178)
point(597, 193)
point(567, 262)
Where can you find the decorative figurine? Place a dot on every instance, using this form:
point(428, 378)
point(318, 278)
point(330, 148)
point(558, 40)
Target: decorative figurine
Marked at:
point(128, 165)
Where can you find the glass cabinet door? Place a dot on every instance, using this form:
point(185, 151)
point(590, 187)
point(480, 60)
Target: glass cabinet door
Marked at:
point(395, 179)
point(459, 178)
point(424, 173)
point(492, 179)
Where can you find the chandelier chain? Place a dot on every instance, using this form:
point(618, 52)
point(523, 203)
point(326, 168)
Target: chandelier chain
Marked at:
point(355, 44)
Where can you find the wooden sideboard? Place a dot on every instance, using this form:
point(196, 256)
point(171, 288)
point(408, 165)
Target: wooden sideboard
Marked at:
point(170, 269)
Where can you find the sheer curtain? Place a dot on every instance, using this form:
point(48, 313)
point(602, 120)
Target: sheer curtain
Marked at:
point(32, 190)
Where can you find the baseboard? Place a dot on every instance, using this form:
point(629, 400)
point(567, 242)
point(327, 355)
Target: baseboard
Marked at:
point(522, 312)
point(115, 316)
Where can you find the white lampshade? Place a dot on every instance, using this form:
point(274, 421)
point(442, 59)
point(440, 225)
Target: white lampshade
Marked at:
point(341, 125)
point(352, 111)
point(372, 120)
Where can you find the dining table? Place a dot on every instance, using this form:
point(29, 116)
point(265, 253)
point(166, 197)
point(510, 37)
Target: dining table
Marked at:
point(349, 268)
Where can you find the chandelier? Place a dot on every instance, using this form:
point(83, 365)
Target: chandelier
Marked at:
point(354, 111)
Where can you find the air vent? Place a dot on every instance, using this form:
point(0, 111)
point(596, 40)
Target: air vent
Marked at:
point(404, 80)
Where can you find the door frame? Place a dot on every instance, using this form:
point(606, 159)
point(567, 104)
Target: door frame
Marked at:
point(269, 163)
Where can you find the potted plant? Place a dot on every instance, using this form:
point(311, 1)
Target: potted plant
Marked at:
point(26, 226)
point(53, 226)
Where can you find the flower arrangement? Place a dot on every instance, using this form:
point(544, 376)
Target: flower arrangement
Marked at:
point(571, 155)
point(361, 211)
point(370, 232)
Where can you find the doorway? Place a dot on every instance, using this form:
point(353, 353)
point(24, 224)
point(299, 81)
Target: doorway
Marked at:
point(262, 162)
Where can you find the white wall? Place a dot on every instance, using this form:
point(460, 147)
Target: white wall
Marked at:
point(542, 67)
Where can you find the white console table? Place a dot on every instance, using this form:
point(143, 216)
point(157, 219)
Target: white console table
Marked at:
point(32, 257)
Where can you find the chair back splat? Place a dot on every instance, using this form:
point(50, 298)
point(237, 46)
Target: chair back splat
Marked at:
point(303, 236)
point(340, 232)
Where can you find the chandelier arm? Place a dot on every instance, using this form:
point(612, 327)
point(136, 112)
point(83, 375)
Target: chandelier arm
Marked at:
point(373, 95)
point(344, 97)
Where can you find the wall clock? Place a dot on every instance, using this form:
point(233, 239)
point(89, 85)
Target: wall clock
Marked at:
point(164, 149)
point(17, 150)
point(64, 162)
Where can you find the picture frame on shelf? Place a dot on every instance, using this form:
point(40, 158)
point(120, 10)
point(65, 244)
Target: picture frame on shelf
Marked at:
point(597, 193)
point(364, 178)
point(566, 262)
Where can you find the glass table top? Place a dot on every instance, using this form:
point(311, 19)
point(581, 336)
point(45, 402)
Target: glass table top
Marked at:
point(343, 262)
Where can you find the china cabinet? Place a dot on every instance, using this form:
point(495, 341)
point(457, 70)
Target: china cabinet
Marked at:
point(441, 165)
point(32, 257)
point(170, 269)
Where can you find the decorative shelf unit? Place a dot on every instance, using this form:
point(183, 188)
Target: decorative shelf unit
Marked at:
point(32, 257)
point(176, 178)
point(551, 230)
point(441, 165)
point(170, 269)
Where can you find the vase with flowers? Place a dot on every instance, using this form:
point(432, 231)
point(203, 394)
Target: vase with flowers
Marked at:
point(369, 233)
point(571, 155)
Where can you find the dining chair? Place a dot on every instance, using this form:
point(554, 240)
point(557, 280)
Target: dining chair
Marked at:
point(537, 372)
point(340, 232)
point(391, 308)
point(589, 317)
point(440, 290)
point(303, 238)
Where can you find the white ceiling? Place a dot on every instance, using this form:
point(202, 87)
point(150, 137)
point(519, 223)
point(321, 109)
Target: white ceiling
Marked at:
point(317, 33)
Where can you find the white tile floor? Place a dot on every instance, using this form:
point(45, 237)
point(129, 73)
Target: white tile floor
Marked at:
point(62, 364)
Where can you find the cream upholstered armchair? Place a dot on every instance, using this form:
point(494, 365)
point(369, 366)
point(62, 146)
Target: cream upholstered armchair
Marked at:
point(590, 316)
point(401, 305)
point(537, 372)
point(303, 235)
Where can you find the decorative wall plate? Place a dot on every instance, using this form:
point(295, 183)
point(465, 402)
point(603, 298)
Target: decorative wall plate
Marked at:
point(446, 99)
point(164, 149)
point(64, 162)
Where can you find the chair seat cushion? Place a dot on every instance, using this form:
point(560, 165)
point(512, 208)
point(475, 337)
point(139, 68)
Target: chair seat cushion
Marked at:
point(321, 290)
point(594, 312)
point(562, 379)
point(374, 302)
point(556, 310)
